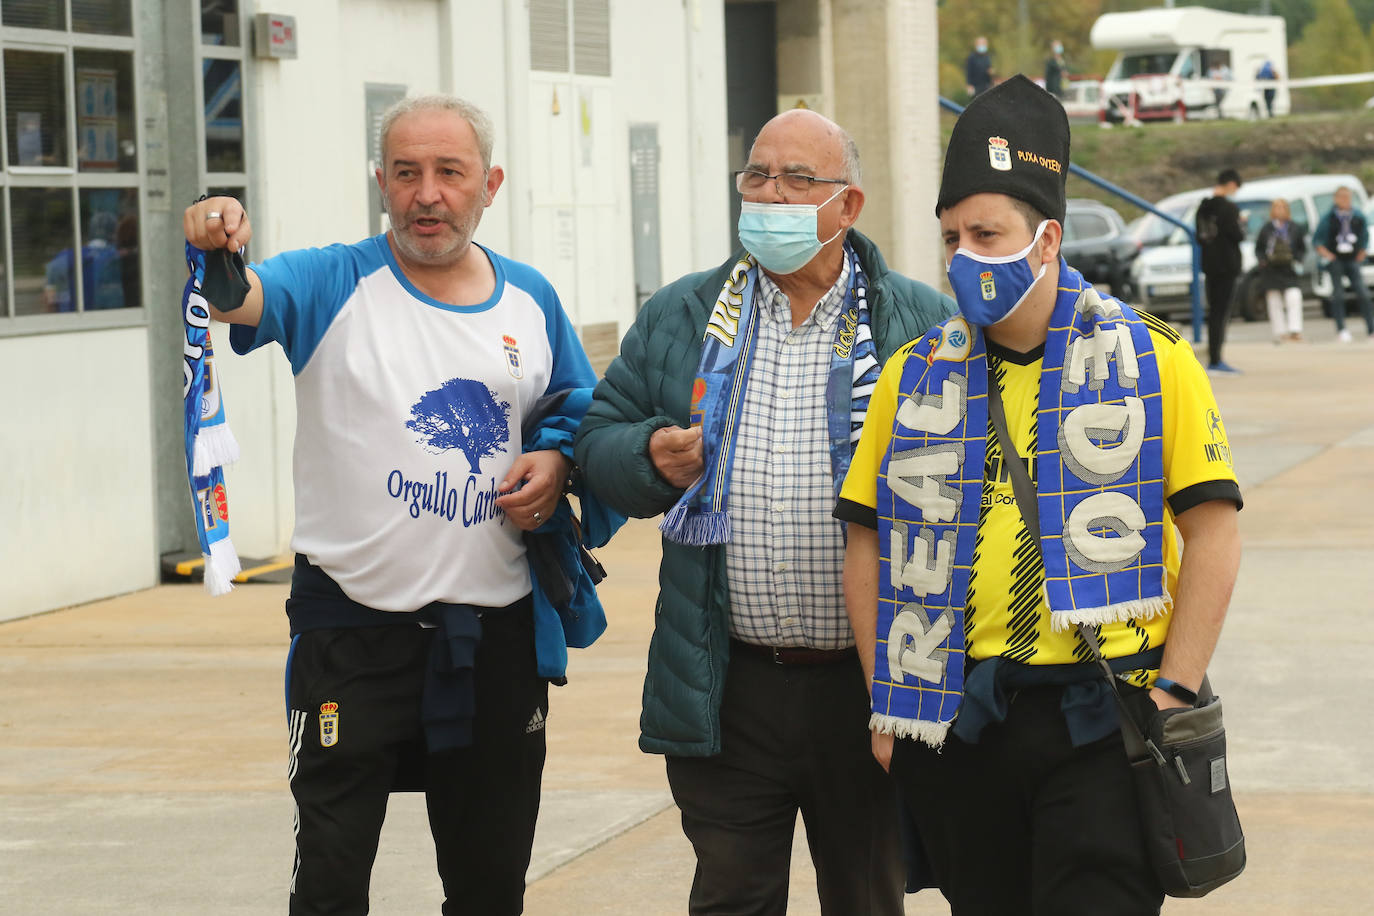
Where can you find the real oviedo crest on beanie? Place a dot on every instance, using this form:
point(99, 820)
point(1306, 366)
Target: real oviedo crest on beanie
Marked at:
point(1013, 140)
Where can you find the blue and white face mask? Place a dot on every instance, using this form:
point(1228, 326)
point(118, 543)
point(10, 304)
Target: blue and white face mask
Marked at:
point(988, 290)
point(782, 237)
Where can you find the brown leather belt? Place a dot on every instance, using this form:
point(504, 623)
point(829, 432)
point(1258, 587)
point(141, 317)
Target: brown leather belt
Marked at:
point(794, 655)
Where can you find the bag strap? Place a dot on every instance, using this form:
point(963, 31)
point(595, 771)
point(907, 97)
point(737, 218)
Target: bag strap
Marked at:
point(1139, 748)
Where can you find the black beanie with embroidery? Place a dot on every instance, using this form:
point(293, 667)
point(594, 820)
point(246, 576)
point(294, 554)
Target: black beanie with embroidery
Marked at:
point(1013, 140)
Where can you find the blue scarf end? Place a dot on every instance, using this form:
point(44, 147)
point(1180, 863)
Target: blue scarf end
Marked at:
point(695, 529)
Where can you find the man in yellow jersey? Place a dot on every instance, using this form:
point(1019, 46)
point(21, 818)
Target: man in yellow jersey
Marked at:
point(986, 704)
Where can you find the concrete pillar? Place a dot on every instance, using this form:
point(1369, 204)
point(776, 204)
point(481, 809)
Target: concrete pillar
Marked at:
point(884, 73)
point(915, 151)
point(800, 39)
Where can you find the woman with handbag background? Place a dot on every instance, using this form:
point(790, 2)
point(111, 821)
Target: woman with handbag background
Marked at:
point(1279, 247)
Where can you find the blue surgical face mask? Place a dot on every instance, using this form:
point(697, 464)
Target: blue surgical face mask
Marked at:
point(782, 236)
point(987, 289)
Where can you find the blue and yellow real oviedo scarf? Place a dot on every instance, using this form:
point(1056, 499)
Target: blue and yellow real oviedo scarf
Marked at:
point(700, 517)
point(209, 444)
point(1099, 473)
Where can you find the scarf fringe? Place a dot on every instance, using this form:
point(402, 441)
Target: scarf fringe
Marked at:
point(1136, 609)
point(931, 733)
point(215, 447)
point(695, 529)
point(221, 566)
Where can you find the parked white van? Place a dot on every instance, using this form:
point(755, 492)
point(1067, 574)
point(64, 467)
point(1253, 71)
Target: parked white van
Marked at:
point(1162, 275)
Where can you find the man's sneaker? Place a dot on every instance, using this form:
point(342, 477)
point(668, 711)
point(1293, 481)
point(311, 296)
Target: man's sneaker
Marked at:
point(1222, 367)
point(1343, 336)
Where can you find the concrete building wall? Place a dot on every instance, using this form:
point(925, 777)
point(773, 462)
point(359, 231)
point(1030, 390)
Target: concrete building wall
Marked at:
point(77, 486)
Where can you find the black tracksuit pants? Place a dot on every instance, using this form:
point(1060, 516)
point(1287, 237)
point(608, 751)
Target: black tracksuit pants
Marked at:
point(483, 800)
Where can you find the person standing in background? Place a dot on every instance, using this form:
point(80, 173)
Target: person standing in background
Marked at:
point(1280, 246)
point(978, 72)
point(1341, 238)
point(1056, 70)
point(1219, 233)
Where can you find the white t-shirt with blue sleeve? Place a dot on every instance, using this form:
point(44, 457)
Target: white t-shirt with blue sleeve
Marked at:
point(408, 416)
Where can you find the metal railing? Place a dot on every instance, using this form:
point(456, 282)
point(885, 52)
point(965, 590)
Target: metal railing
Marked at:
point(1145, 205)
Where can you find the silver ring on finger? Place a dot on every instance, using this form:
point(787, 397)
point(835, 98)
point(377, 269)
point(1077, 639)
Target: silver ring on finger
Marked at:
point(538, 519)
point(213, 214)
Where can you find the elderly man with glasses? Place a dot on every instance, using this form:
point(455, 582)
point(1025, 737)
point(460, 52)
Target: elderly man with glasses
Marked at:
point(733, 409)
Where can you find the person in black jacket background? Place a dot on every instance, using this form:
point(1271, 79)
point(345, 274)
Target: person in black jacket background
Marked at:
point(1219, 233)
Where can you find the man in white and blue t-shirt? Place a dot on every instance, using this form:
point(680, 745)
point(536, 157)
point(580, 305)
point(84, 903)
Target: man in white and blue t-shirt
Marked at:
point(418, 355)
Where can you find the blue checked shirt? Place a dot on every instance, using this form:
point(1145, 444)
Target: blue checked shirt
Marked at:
point(786, 553)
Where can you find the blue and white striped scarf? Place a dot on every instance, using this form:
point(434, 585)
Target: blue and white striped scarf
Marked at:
point(699, 517)
point(1100, 483)
point(209, 443)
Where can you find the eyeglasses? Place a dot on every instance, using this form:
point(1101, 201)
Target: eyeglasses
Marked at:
point(748, 181)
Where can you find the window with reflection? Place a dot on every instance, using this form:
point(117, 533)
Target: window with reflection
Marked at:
point(223, 80)
point(36, 108)
point(103, 17)
point(109, 249)
point(70, 188)
point(105, 128)
point(34, 14)
point(219, 22)
point(44, 260)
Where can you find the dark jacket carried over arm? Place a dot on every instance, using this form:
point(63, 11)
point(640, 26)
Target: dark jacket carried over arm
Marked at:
point(649, 386)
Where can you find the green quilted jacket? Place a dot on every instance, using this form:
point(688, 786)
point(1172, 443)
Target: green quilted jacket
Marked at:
point(647, 387)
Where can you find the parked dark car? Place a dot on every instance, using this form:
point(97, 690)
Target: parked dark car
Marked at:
point(1096, 242)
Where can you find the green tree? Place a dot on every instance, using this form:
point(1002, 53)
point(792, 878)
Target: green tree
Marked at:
point(1332, 43)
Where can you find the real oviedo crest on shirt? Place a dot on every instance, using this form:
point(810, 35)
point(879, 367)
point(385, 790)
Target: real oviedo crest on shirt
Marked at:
point(999, 154)
point(512, 357)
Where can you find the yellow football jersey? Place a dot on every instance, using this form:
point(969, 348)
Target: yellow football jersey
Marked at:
point(1006, 614)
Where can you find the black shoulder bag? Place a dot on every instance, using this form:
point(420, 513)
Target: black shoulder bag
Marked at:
point(1177, 756)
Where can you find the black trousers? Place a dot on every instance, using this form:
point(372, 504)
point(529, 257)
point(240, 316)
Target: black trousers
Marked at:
point(482, 800)
point(794, 738)
point(1219, 286)
point(1024, 823)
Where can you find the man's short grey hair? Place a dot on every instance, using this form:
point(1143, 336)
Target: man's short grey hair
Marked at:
point(851, 171)
point(476, 117)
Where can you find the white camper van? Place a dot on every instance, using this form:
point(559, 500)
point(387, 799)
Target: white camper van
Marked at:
point(1169, 56)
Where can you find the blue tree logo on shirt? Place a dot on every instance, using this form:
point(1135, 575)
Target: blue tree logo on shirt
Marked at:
point(462, 414)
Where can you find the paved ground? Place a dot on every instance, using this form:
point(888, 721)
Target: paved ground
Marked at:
point(142, 758)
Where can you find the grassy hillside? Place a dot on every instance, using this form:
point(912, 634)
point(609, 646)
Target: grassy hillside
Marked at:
point(1161, 159)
